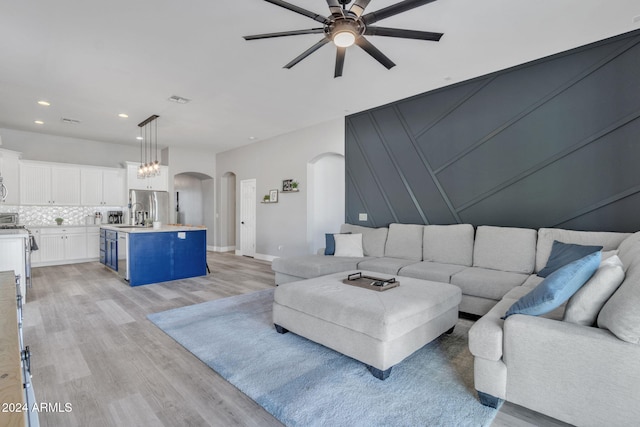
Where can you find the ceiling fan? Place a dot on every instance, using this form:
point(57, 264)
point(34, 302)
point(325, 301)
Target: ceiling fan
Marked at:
point(345, 27)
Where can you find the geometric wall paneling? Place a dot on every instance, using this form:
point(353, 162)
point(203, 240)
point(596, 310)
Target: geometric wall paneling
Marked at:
point(554, 142)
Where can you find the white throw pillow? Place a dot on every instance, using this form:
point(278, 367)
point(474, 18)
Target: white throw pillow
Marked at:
point(585, 305)
point(349, 245)
point(608, 254)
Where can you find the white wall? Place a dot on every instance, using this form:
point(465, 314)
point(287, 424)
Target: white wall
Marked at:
point(325, 204)
point(282, 226)
point(51, 148)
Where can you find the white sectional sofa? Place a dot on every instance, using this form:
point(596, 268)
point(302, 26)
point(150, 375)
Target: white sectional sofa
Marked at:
point(581, 374)
point(586, 375)
point(485, 267)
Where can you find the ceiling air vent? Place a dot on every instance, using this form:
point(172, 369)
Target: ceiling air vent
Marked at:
point(179, 99)
point(70, 121)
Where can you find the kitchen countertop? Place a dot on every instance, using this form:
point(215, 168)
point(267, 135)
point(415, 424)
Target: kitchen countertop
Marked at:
point(162, 229)
point(29, 226)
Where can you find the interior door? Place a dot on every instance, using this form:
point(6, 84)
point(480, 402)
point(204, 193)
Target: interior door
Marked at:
point(248, 217)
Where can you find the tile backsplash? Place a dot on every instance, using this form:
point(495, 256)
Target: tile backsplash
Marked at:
point(46, 215)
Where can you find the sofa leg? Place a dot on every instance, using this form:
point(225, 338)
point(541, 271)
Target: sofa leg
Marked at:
point(280, 329)
point(450, 331)
point(381, 375)
point(489, 400)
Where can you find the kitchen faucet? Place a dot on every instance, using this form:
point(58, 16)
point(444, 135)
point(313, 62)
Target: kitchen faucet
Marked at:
point(134, 213)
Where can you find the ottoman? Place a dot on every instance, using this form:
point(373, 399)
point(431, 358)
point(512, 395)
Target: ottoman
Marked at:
point(380, 329)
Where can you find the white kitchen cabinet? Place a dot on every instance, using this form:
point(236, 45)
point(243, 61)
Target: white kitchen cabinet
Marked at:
point(102, 187)
point(156, 183)
point(10, 172)
point(93, 242)
point(62, 245)
point(49, 184)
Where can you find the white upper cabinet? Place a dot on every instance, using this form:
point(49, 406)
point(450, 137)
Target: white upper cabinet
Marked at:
point(10, 172)
point(65, 185)
point(102, 187)
point(47, 184)
point(156, 183)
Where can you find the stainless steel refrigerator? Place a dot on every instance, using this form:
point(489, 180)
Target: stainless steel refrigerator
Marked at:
point(148, 205)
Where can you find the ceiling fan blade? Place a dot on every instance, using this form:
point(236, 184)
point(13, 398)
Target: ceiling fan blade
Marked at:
point(358, 7)
point(307, 52)
point(405, 34)
point(373, 51)
point(284, 34)
point(394, 9)
point(339, 61)
point(335, 8)
point(299, 10)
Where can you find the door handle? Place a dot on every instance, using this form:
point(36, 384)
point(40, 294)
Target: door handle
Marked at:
point(242, 222)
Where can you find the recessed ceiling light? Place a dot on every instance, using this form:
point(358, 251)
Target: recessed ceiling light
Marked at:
point(251, 138)
point(139, 138)
point(123, 116)
point(44, 103)
point(38, 122)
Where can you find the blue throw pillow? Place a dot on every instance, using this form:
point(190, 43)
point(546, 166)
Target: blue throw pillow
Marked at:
point(330, 244)
point(553, 291)
point(565, 253)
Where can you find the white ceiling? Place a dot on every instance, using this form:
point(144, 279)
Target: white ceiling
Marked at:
point(94, 59)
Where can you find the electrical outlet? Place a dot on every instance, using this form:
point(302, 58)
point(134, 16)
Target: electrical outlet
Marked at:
point(362, 217)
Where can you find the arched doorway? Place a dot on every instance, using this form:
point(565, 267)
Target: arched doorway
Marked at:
point(325, 201)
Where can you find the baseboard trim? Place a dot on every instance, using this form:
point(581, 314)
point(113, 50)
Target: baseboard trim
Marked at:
point(221, 248)
point(264, 257)
point(63, 262)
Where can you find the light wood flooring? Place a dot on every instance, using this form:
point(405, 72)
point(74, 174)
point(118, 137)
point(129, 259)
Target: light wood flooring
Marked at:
point(93, 347)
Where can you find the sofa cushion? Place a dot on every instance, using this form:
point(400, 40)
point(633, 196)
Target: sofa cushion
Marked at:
point(348, 245)
point(404, 241)
point(386, 265)
point(373, 239)
point(565, 253)
point(308, 266)
point(629, 250)
point(621, 313)
point(449, 244)
point(532, 281)
point(557, 288)
point(583, 307)
point(435, 271)
point(546, 236)
point(486, 283)
point(505, 249)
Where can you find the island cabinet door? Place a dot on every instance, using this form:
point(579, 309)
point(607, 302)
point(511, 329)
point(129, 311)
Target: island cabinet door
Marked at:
point(150, 258)
point(189, 254)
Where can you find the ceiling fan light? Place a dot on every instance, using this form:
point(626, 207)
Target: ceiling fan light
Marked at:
point(344, 38)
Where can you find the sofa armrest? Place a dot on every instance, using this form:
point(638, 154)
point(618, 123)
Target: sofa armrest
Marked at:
point(485, 336)
point(578, 374)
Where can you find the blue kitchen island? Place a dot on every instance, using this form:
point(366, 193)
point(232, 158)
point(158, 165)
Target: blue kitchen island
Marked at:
point(147, 255)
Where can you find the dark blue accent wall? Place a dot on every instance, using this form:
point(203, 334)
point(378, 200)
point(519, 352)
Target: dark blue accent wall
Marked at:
point(551, 143)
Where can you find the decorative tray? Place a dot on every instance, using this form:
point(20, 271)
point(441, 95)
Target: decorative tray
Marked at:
point(370, 282)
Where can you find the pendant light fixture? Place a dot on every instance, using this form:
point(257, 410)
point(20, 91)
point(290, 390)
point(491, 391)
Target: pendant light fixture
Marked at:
point(148, 138)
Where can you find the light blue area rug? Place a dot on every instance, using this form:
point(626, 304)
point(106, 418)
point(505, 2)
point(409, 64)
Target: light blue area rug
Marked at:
point(305, 384)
